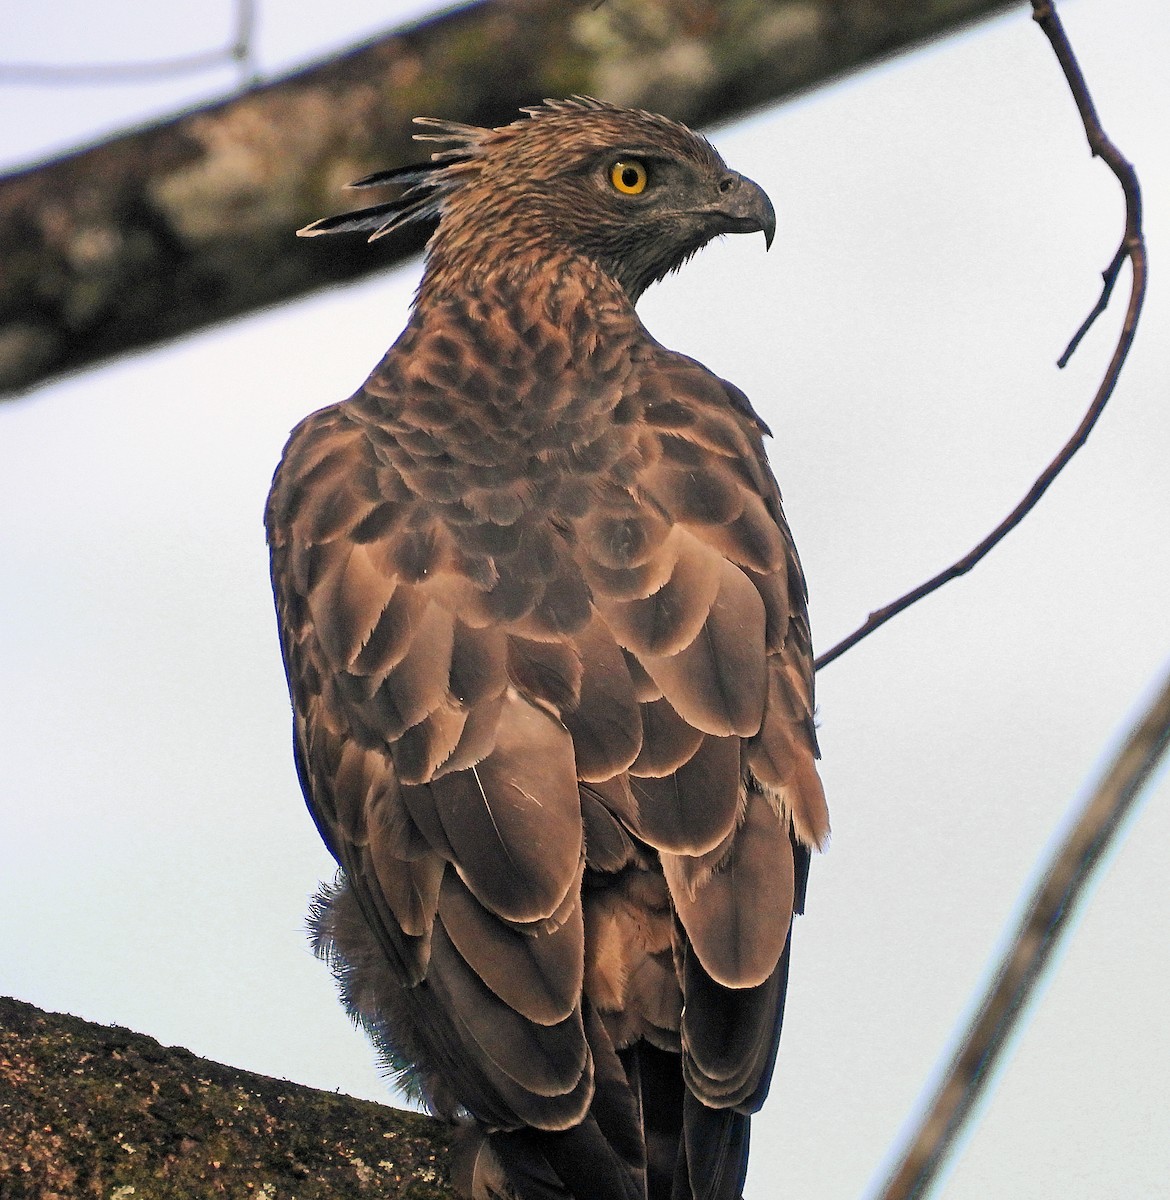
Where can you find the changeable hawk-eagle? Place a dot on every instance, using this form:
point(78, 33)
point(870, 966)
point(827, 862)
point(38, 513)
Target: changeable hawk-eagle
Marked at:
point(546, 639)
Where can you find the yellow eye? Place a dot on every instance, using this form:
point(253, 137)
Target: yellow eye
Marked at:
point(628, 175)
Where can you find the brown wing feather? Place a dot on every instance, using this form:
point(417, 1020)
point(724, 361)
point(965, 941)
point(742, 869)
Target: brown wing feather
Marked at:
point(513, 821)
point(553, 714)
point(538, 973)
point(693, 808)
point(736, 902)
point(719, 680)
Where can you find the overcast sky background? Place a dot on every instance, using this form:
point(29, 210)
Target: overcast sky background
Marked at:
point(941, 231)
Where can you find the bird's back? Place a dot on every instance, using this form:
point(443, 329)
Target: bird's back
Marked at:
point(546, 640)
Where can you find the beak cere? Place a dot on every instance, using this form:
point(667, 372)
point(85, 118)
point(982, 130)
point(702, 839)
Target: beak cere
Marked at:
point(745, 207)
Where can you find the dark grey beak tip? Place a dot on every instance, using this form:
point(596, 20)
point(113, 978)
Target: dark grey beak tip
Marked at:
point(766, 214)
point(750, 210)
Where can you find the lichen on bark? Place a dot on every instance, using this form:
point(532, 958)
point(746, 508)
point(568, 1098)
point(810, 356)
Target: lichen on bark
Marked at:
point(98, 1111)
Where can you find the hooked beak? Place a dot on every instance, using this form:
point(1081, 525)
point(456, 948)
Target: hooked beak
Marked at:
point(744, 207)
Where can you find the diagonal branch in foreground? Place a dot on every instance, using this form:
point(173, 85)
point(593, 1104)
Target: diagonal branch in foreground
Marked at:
point(1131, 249)
point(182, 224)
point(1044, 922)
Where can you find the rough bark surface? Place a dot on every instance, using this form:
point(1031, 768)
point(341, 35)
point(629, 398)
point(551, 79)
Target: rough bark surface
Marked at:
point(96, 1111)
point(189, 222)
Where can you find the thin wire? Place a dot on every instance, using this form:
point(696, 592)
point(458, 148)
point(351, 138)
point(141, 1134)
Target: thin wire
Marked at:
point(245, 40)
point(240, 51)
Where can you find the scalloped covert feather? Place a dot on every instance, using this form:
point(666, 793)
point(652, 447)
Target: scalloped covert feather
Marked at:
point(546, 640)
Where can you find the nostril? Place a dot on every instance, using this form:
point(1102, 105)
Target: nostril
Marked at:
point(728, 184)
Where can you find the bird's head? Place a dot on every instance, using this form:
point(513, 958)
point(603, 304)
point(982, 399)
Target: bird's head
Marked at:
point(634, 193)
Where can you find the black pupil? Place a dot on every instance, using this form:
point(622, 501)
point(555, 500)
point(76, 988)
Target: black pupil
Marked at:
point(630, 177)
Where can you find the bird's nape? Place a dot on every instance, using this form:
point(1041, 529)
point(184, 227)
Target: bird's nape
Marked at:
point(557, 167)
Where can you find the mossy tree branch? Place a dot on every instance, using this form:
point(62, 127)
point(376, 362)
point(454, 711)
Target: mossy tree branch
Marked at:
point(91, 1110)
point(189, 222)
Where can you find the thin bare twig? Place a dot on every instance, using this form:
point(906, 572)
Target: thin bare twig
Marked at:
point(1045, 920)
point(243, 46)
point(1109, 275)
point(80, 74)
point(1133, 248)
point(73, 74)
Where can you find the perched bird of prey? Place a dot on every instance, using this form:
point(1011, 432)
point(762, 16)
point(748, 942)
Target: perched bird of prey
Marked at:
point(546, 639)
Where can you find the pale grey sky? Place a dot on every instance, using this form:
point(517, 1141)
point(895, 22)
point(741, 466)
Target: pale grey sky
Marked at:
point(941, 230)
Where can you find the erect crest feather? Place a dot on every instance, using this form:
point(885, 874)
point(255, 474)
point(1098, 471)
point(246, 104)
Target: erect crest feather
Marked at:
point(427, 184)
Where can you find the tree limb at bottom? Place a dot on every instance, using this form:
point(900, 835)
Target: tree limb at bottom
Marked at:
point(91, 1110)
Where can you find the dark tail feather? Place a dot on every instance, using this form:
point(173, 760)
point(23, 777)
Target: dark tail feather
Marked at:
point(528, 1171)
point(657, 1084)
point(755, 1101)
point(600, 1159)
point(616, 1106)
point(716, 1151)
point(580, 1158)
point(802, 857)
point(692, 1152)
